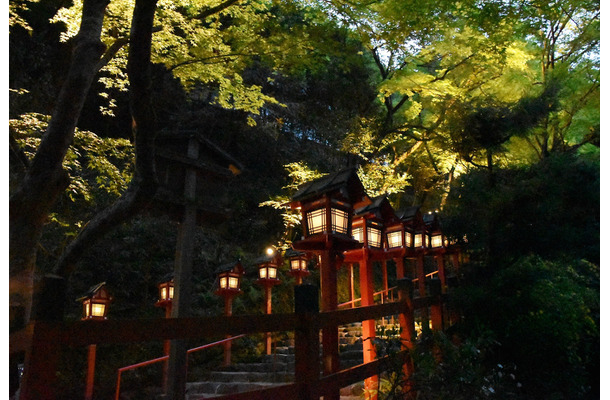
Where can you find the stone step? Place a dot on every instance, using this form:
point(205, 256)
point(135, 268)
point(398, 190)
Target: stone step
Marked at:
point(206, 390)
point(247, 376)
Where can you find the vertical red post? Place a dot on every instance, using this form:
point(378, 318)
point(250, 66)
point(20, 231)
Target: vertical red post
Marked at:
point(400, 267)
point(227, 344)
point(330, 334)
point(351, 285)
point(369, 354)
point(267, 311)
point(440, 263)
point(421, 275)
point(90, 371)
point(436, 308)
point(407, 333)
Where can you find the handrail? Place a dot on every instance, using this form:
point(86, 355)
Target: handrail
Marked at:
point(163, 358)
point(386, 291)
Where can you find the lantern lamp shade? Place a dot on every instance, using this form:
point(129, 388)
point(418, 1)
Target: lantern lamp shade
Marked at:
point(418, 240)
point(408, 239)
point(95, 302)
point(318, 222)
point(166, 291)
point(358, 234)
point(436, 240)
point(267, 271)
point(228, 281)
point(373, 234)
point(394, 239)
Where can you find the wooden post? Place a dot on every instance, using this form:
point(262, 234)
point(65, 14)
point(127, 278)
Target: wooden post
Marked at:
point(39, 381)
point(384, 273)
point(436, 309)
point(90, 371)
point(227, 345)
point(367, 289)
point(330, 334)
point(440, 263)
point(407, 333)
point(421, 274)
point(306, 341)
point(166, 348)
point(400, 268)
point(267, 311)
point(351, 285)
point(182, 278)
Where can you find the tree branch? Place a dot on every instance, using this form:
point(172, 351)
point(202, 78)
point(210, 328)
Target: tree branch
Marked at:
point(144, 184)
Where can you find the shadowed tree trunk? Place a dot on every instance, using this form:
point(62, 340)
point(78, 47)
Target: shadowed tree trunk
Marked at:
point(46, 179)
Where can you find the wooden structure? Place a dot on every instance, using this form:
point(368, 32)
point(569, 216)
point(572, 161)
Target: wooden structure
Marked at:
point(95, 308)
point(268, 266)
point(298, 265)
point(228, 285)
point(331, 208)
point(192, 172)
point(368, 228)
point(326, 206)
point(306, 323)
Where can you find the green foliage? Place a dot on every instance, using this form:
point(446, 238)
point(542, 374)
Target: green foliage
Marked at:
point(545, 314)
point(107, 160)
point(450, 368)
point(550, 208)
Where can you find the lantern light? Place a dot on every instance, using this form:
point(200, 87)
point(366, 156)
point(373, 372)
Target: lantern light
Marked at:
point(267, 267)
point(229, 279)
point(373, 236)
point(95, 302)
point(436, 241)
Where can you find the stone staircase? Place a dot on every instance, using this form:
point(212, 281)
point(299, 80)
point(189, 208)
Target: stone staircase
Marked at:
point(277, 369)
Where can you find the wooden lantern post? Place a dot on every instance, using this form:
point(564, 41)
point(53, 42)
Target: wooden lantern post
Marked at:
point(95, 308)
point(367, 228)
point(326, 206)
point(166, 295)
point(228, 285)
point(267, 278)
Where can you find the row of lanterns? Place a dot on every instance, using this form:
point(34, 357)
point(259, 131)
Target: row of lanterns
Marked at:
point(95, 302)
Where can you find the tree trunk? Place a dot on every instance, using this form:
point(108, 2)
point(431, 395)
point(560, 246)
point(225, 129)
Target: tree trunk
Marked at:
point(144, 183)
point(46, 179)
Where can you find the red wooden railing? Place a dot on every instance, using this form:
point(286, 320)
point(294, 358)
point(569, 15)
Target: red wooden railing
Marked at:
point(44, 340)
point(165, 358)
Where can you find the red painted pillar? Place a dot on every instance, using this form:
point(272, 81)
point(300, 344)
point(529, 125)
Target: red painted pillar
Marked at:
point(352, 295)
point(368, 327)
point(384, 273)
point(440, 263)
point(330, 334)
point(400, 267)
point(90, 371)
point(421, 274)
point(456, 261)
point(227, 344)
point(407, 333)
point(268, 311)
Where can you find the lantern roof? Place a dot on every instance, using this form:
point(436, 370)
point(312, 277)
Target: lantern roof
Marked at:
point(344, 183)
point(294, 253)
point(231, 267)
point(379, 208)
point(267, 259)
point(98, 291)
point(166, 278)
point(411, 216)
point(432, 222)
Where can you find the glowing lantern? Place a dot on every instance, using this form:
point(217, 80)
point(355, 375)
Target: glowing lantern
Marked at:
point(95, 302)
